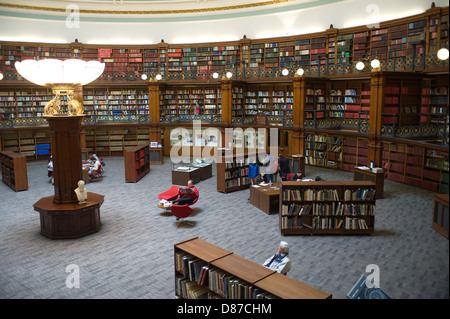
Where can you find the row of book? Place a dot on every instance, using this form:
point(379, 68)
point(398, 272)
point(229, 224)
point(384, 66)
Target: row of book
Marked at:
point(196, 280)
point(359, 194)
point(323, 223)
point(242, 172)
point(237, 182)
point(328, 209)
point(310, 194)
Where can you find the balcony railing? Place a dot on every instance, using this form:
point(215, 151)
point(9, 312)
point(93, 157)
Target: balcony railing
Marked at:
point(428, 62)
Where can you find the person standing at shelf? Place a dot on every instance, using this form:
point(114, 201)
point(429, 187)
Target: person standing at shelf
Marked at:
point(283, 166)
point(267, 170)
point(253, 172)
point(186, 195)
point(280, 261)
point(197, 109)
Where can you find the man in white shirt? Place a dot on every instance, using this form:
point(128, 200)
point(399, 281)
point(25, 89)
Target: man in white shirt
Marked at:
point(280, 261)
point(94, 168)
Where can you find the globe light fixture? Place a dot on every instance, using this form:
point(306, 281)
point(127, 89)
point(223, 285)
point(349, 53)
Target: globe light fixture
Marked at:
point(144, 77)
point(1, 76)
point(360, 65)
point(285, 72)
point(375, 63)
point(158, 77)
point(62, 77)
point(229, 75)
point(442, 54)
point(215, 75)
point(300, 71)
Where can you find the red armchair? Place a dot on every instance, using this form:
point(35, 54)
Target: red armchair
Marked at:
point(170, 194)
point(182, 211)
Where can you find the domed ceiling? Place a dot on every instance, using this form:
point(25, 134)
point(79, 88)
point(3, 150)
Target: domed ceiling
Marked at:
point(188, 21)
point(168, 9)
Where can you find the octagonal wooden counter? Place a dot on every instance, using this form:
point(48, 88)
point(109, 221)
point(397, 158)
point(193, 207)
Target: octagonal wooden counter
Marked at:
point(68, 221)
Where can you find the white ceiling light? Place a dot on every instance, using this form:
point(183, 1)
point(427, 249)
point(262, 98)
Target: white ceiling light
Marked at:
point(53, 72)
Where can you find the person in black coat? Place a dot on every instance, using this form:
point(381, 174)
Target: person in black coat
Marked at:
point(283, 167)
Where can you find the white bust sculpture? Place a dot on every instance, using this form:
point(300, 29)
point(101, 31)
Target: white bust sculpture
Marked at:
point(81, 193)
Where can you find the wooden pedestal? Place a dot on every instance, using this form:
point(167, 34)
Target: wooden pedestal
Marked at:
point(61, 216)
point(68, 221)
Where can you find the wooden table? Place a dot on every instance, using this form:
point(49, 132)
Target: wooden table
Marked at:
point(181, 176)
point(266, 198)
point(367, 175)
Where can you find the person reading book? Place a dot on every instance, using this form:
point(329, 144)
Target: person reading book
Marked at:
point(297, 176)
point(187, 194)
point(280, 261)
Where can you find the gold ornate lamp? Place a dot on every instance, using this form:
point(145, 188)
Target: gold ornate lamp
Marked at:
point(62, 77)
point(61, 215)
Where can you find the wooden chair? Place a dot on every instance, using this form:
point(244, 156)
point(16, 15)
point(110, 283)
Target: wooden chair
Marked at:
point(181, 212)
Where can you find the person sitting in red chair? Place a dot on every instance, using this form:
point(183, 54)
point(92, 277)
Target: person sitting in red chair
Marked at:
point(186, 195)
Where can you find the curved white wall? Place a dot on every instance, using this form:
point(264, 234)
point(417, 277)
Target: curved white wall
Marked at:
point(16, 26)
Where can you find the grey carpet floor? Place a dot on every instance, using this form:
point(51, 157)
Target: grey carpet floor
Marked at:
point(132, 255)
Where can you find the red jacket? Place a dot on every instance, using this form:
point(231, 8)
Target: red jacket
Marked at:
point(194, 195)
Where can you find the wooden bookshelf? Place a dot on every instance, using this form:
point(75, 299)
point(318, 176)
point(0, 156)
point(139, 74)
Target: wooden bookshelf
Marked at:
point(232, 173)
point(354, 152)
point(417, 165)
point(14, 170)
point(441, 214)
point(205, 271)
point(327, 208)
point(137, 163)
point(368, 175)
point(326, 150)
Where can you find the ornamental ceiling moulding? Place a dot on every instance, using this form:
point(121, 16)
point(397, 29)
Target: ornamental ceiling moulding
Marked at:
point(178, 11)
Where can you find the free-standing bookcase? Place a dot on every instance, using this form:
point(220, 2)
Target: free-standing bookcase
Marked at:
point(203, 270)
point(14, 170)
point(339, 207)
point(232, 173)
point(137, 163)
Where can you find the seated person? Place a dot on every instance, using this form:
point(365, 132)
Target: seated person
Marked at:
point(297, 176)
point(94, 166)
point(50, 170)
point(280, 261)
point(186, 195)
